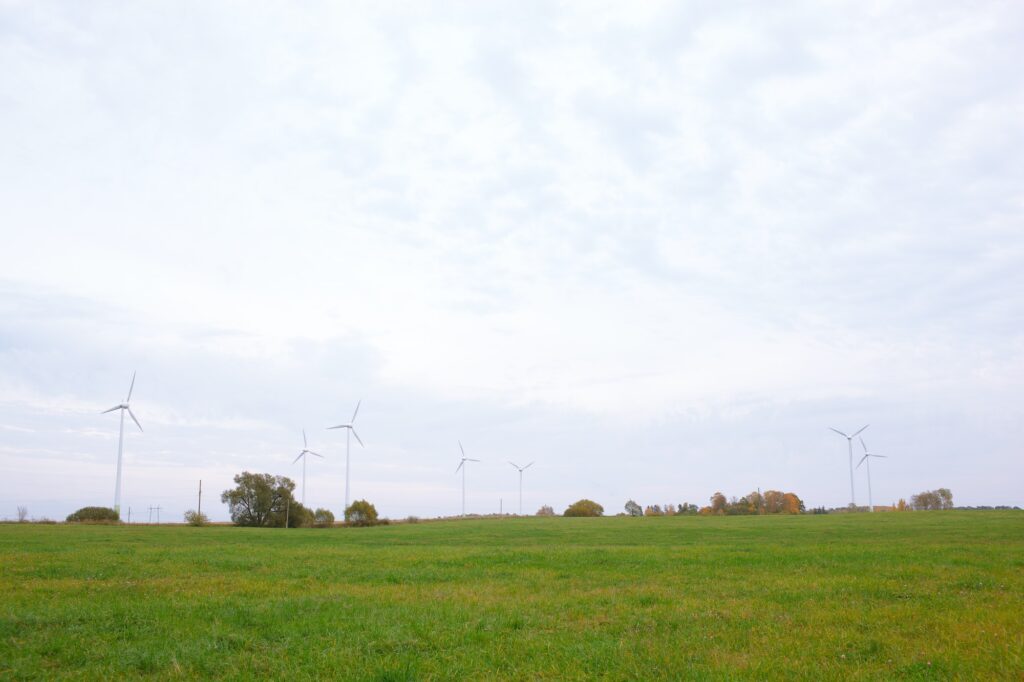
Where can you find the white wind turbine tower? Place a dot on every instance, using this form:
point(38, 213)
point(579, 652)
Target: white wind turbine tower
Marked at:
point(867, 458)
point(849, 443)
point(462, 465)
point(303, 457)
point(349, 429)
point(120, 440)
point(521, 470)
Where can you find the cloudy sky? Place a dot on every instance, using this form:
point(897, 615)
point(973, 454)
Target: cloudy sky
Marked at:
point(658, 249)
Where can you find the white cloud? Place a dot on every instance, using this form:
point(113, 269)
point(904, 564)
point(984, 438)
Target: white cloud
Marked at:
point(663, 216)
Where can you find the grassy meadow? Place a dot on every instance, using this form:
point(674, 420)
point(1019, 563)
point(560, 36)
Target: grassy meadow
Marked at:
point(924, 595)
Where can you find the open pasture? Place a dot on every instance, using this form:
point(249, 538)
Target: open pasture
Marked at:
point(914, 595)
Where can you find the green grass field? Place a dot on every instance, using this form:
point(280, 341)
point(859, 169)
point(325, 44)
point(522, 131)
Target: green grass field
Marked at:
point(925, 595)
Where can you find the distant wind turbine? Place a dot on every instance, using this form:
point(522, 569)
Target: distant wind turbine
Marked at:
point(462, 465)
point(349, 429)
point(521, 470)
point(849, 444)
point(867, 458)
point(120, 440)
point(303, 457)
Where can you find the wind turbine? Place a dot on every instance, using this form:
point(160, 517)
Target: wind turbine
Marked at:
point(120, 440)
point(521, 470)
point(302, 456)
point(867, 458)
point(462, 465)
point(849, 443)
point(349, 430)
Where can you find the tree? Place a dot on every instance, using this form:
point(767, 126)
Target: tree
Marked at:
point(584, 507)
point(94, 514)
point(901, 505)
point(545, 510)
point(297, 516)
point(194, 518)
point(773, 501)
point(323, 518)
point(361, 513)
point(260, 499)
point(22, 514)
point(945, 497)
point(932, 500)
point(653, 510)
point(718, 503)
point(633, 509)
point(791, 504)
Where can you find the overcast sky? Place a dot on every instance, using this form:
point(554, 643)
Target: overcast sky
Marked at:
point(658, 249)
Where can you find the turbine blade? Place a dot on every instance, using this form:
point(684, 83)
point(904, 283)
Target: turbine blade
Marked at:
point(298, 458)
point(353, 420)
point(317, 454)
point(527, 466)
point(860, 429)
point(861, 461)
point(339, 426)
point(460, 466)
point(462, 448)
point(305, 443)
point(357, 437)
point(883, 456)
point(133, 418)
point(864, 445)
point(513, 464)
point(130, 388)
point(470, 459)
point(115, 407)
point(839, 432)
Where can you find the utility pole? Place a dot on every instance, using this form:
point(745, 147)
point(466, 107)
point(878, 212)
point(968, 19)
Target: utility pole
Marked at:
point(157, 515)
point(150, 515)
point(129, 516)
point(200, 510)
point(501, 507)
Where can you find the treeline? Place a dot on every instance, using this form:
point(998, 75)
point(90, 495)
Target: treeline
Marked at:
point(768, 502)
point(267, 500)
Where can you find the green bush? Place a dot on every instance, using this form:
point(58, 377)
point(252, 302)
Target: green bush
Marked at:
point(194, 518)
point(584, 508)
point(94, 514)
point(323, 518)
point(361, 513)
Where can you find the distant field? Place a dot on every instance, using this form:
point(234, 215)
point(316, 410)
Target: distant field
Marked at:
point(928, 595)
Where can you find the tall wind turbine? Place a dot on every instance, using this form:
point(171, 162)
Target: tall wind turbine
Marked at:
point(462, 465)
point(120, 440)
point(349, 430)
point(849, 444)
point(867, 458)
point(303, 457)
point(521, 470)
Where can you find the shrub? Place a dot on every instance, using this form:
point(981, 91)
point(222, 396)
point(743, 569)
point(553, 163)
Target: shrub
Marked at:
point(412, 519)
point(94, 514)
point(584, 508)
point(323, 518)
point(361, 513)
point(194, 518)
point(545, 511)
